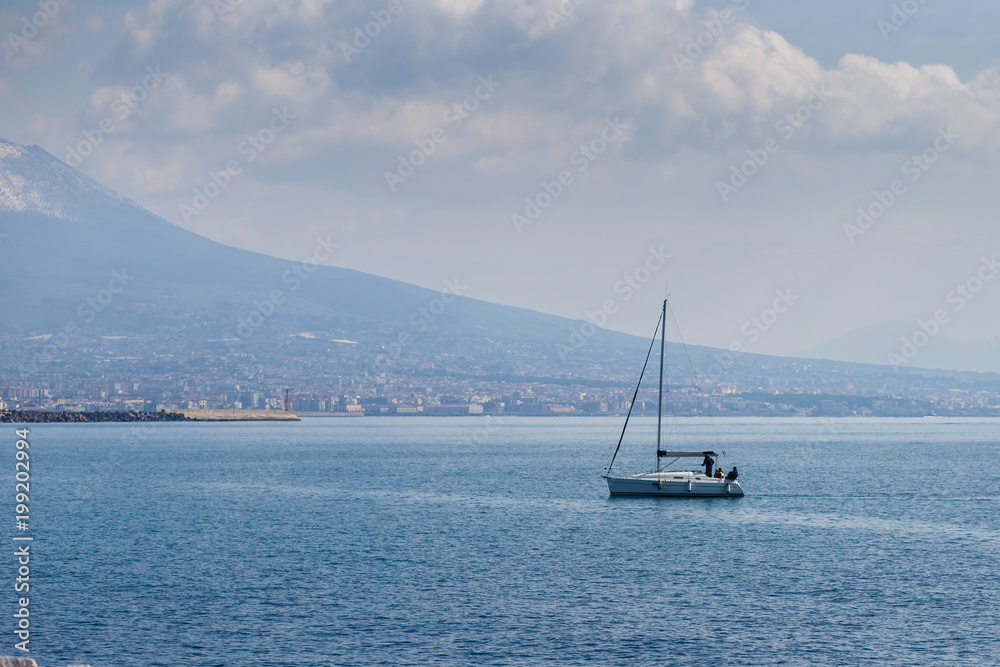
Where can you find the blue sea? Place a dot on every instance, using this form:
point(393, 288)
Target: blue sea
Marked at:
point(463, 541)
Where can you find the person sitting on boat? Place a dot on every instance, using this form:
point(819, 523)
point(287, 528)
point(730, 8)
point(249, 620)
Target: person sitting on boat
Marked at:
point(731, 477)
point(708, 463)
point(718, 473)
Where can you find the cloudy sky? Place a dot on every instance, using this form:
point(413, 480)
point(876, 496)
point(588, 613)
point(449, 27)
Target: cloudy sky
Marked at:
point(550, 154)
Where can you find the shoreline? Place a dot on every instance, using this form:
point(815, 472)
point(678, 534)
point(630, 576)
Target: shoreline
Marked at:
point(221, 415)
point(129, 416)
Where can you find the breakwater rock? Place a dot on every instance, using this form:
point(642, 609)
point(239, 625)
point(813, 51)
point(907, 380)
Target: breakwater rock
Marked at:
point(24, 662)
point(52, 417)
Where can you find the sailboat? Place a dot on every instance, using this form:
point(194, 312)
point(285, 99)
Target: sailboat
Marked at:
point(663, 482)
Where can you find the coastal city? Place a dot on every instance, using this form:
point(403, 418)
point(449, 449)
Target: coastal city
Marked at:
point(323, 375)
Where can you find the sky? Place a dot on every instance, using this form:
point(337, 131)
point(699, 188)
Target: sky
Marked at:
point(801, 178)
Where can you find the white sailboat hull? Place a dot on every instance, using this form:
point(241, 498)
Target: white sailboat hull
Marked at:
point(673, 484)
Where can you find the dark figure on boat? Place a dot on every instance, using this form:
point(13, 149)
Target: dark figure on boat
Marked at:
point(708, 463)
point(732, 475)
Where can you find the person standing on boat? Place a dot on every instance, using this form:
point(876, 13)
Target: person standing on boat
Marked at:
point(731, 477)
point(708, 463)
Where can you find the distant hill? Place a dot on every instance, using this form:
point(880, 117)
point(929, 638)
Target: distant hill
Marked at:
point(94, 286)
point(66, 236)
point(873, 343)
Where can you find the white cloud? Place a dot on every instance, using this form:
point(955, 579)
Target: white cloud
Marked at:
point(609, 59)
point(460, 8)
point(21, 54)
point(139, 173)
point(876, 100)
point(175, 107)
point(29, 37)
point(143, 29)
point(291, 82)
point(683, 7)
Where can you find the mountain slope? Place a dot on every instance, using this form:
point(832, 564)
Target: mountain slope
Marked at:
point(873, 344)
point(66, 236)
point(98, 291)
point(33, 181)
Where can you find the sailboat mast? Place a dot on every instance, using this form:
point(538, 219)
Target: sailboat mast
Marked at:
point(659, 407)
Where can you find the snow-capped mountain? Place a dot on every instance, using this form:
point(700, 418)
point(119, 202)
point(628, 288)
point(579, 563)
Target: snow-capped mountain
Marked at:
point(63, 237)
point(34, 181)
point(80, 264)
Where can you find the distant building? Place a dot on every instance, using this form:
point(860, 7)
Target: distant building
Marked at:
point(453, 410)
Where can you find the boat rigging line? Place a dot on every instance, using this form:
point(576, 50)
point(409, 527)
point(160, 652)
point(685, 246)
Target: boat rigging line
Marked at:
point(636, 394)
point(659, 404)
point(694, 370)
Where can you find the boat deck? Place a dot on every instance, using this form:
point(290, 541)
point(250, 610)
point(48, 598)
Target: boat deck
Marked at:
point(675, 483)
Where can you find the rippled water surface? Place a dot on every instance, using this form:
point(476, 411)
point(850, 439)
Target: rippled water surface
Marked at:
point(453, 541)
